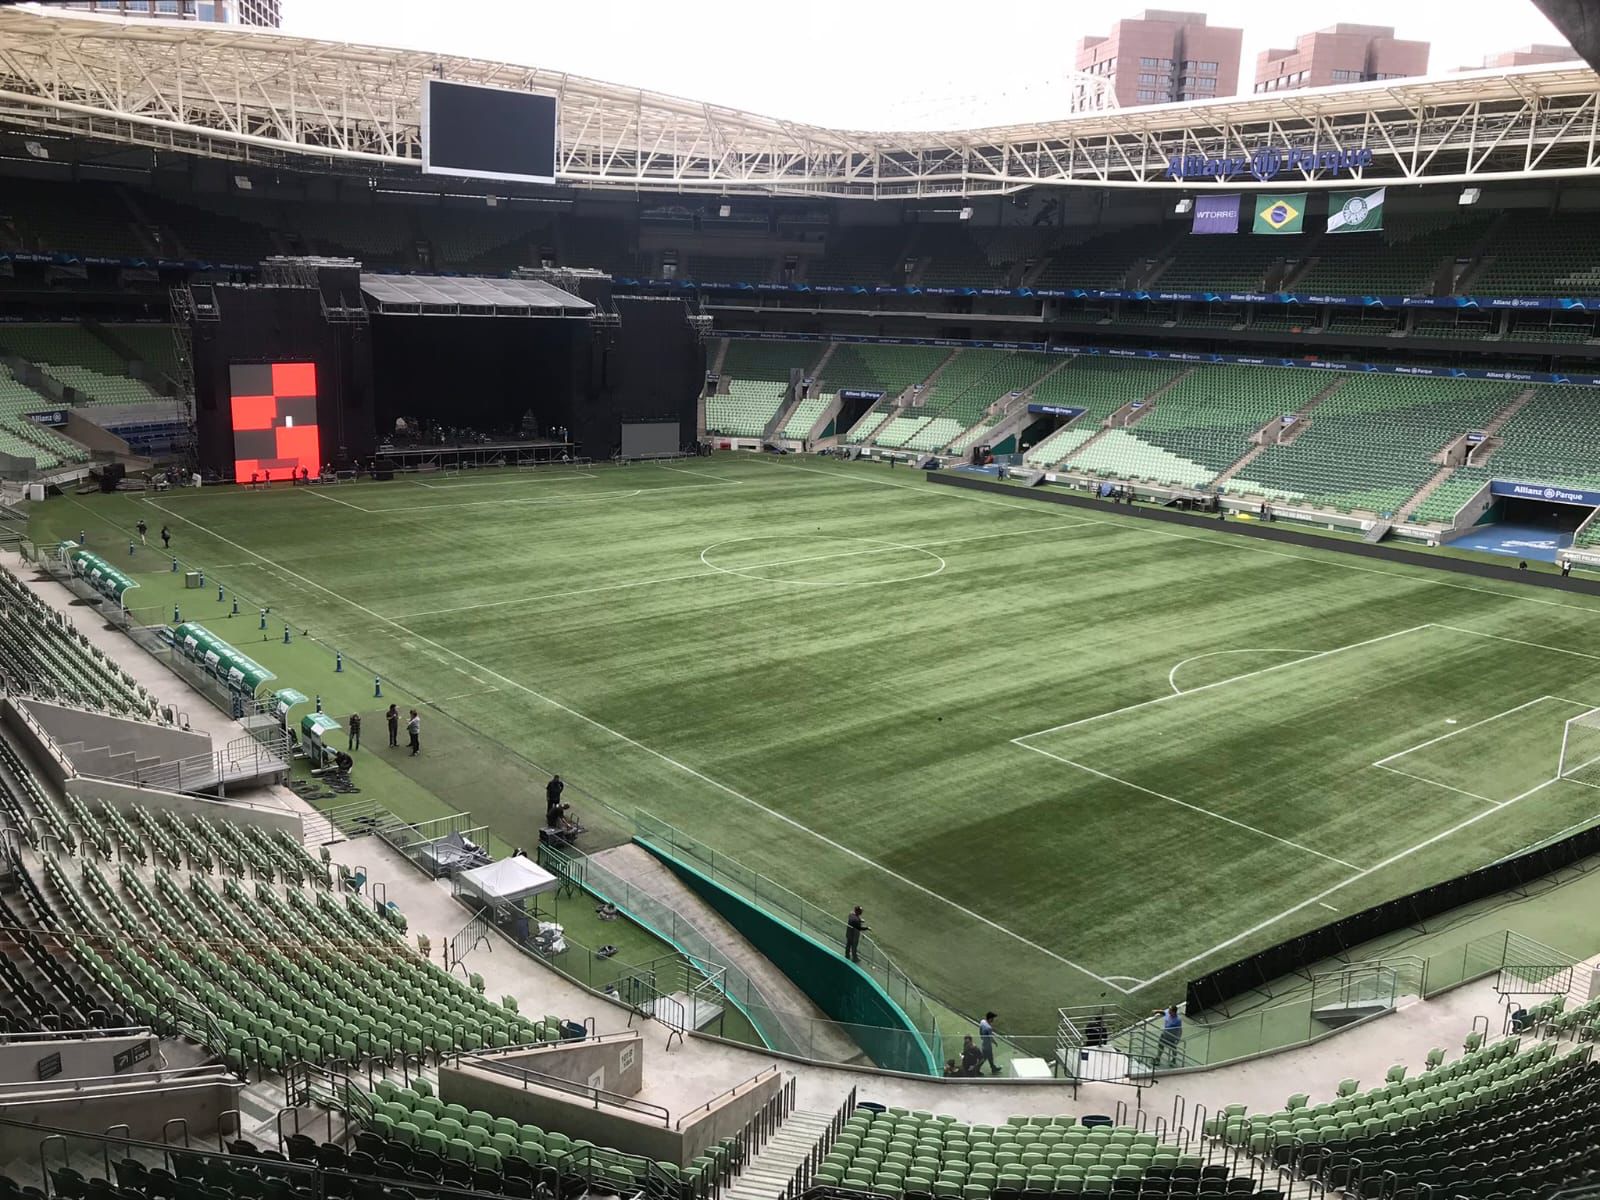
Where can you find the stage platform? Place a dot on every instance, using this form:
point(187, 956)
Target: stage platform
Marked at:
point(535, 453)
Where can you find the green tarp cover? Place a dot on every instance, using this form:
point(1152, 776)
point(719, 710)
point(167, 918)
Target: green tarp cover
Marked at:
point(99, 574)
point(240, 670)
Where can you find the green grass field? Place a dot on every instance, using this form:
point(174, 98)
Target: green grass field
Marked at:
point(1057, 754)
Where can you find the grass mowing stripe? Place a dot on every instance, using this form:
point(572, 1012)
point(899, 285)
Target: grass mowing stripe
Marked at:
point(1185, 804)
point(670, 761)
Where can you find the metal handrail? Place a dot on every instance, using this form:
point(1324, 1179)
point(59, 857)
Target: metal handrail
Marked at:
point(595, 1094)
point(758, 1077)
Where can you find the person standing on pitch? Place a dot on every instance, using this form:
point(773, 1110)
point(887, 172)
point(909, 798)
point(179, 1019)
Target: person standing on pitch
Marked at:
point(166, 538)
point(986, 1043)
point(393, 717)
point(354, 728)
point(853, 925)
point(144, 531)
point(414, 730)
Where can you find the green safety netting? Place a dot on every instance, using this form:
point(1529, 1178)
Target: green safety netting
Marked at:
point(239, 670)
point(99, 574)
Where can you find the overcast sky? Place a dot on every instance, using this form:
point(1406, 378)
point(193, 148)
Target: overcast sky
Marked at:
point(867, 64)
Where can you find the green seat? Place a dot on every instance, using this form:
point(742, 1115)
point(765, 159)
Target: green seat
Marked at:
point(460, 1150)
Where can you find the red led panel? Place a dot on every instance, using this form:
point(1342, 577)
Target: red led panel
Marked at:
point(274, 409)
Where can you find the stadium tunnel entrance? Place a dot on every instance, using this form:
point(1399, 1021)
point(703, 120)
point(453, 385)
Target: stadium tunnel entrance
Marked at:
point(1526, 528)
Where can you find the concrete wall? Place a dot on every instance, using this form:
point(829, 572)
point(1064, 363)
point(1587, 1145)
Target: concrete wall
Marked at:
point(146, 1110)
point(81, 1058)
point(615, 1064)
point(124, 796)
point(69, 725)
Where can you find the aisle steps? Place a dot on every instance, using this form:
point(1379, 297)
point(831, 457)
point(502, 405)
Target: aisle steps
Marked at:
point(769, 1172)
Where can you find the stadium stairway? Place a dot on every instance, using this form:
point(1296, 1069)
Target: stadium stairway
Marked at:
point(1260, 448)
point(1011, 417)
point(722, 357)
point(1443, 474)
point(768, 1173)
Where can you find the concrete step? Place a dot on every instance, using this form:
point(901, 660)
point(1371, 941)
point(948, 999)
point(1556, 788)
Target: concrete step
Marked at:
point(770, 1171)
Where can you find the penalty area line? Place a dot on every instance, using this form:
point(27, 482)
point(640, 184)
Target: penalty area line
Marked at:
point(784, 818)
point(1323, 895)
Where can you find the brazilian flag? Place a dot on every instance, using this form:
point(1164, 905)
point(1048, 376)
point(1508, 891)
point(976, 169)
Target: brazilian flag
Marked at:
point(1280, 214)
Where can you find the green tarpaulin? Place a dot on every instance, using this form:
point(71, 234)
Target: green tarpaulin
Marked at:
point(239, 670)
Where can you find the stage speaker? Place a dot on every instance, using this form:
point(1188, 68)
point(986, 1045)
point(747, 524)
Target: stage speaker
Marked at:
point(110, 475)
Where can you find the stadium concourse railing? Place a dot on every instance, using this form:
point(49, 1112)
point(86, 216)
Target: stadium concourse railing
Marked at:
point(907, 1038)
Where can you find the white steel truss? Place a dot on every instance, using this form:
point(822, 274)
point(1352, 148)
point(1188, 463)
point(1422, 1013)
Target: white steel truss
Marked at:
point(260, 96)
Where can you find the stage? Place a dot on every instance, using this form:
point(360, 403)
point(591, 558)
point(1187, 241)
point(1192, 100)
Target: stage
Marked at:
point(538, 453)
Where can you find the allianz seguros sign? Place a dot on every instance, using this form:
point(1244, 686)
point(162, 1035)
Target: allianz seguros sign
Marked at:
point(1267, 162)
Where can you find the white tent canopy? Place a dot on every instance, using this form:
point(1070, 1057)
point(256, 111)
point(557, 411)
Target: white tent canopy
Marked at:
point(509, 880)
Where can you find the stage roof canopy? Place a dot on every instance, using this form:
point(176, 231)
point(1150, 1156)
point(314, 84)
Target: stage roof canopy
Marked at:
point(469, 296)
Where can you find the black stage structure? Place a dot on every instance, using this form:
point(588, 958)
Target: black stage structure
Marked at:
point(546, 358)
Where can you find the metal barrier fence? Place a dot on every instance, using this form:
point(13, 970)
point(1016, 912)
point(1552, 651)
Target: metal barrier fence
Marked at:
point(827, 928)
point(782, 1031)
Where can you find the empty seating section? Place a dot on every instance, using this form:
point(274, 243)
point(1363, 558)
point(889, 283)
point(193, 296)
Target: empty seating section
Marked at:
point(887, 369)
point(1099, 385)
point(726, 268)
point(489, 1152)
point(85, 218)
point(1554, 438)
point(215, 236)
point(1452, 327)
point(897, 1153)
point(1018, 244)
point(61, 344)
point(745, 408)
point(956, 259)
point(864, 256)
point(150, 344)
point(43, 654)
point(1098, 260)
point(1378, 323)
point(805, 415)
point(1201, 425)
point(748, 358)
point(1442, 504)
point(1368, 445)
point(25, 439)
point(1494, 1122)
point(287, 974)
point(961, 396)
point(1556, 327)
point(1233, 264)
point(1401, 260)
point(1542, 254)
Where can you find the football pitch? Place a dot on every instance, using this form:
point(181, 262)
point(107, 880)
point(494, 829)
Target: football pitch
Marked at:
point(1056, 753)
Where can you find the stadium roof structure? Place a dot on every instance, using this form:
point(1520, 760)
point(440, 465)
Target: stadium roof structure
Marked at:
point(251, 95)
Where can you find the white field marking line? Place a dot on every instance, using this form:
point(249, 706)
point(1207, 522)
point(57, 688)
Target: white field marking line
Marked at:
point(1327, 906)
point(614, 587)
point(591, 499)
point(1324, 894)
point(1435, 783)
point(1206, 687)
point(1282, 841)
point(489, 691)
point(504, 481)
point(1172, 674)
point(335, 500)
point(1465, 729)
point(1519, 642)
point(1226, 541)
point(701, 474)
point(671, 762)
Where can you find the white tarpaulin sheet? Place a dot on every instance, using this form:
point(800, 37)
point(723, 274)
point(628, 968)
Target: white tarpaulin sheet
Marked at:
point(510, 879)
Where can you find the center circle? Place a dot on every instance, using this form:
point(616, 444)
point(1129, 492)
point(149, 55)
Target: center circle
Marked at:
point(806, 560)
